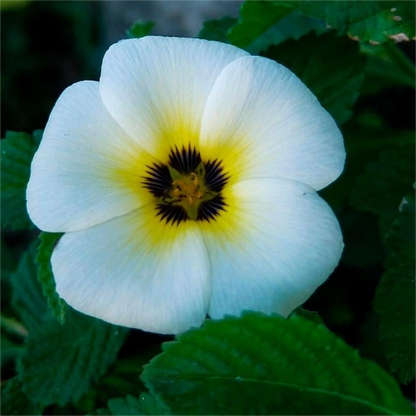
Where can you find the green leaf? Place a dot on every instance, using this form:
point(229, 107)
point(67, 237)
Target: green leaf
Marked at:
point(254, 19)
point(140, 29)
point(260, 364)
point(10, 350)
point(146, 404)
point(217, 29)
point(17, 151)
point(382, 186)
point(292, 26)
point(372, 21)
point(387, 66)
point(28, 299)
point(15, 402)
point(335, 78)
point(100, 412)
point(395, 296)
point(57, 305)
point(62, 361)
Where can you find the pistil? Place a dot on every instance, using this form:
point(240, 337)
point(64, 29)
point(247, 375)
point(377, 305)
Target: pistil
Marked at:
point(188, 191)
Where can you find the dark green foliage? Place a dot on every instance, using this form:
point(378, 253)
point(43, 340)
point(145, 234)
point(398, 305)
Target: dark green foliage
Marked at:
point(17, 150)
point(395, 297)
point(62, 361)
point(384, 183)
point(387, 66)
point(56, 304)
point(375, 21)
point(255, 18)
point(260, 364)
point(140, 29)
point(10, 349)
point(334, 79)
point(146, 404)
point(217, 29)
point(28, 299)
point(292, 26)
point(15, 402)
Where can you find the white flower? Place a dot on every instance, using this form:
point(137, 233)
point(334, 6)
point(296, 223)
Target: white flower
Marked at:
point(185, 182)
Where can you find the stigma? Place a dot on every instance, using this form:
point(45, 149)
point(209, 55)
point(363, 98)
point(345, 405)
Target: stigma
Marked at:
point(188, 191)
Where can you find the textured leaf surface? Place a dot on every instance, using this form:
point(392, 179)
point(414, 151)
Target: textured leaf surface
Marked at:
point(62, 361)
point(28, 299)
point(15, 402)
point(260, 364)
point(254, 19)
point(335, 78)
point(17, 151)
point(146, 404)
point(395, 296)
point(57, 305)
point(375, 21)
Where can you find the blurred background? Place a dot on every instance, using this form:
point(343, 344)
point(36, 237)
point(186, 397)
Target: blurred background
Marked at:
point(49, 45)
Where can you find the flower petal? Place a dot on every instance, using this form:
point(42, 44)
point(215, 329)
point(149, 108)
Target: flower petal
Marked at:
point(136, 271)
point(269, 125)
point(157, 87)
point(87, 169)
point(283, 242)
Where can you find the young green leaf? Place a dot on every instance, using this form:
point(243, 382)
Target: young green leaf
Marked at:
point(15, 402)
point(62, 361)
point(395, 296)
point(57, 305)
point(140, 29)
point(28, 299)
point(259, 364)
point(334, 78)
point(217, 29)
point(364, 21)
point(17, 151)
point(255, 18)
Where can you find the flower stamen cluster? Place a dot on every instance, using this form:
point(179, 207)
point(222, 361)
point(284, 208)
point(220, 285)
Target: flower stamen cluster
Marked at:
point(186, 188)
point(188, 191)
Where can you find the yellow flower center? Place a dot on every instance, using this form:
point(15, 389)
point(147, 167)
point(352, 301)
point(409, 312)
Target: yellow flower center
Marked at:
point(188, 191)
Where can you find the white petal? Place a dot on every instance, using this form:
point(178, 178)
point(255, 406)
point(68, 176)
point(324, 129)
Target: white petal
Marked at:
point(269, 125)
point(157, 87)
point(136, 271)
point(282, 243)
point(87, 169)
